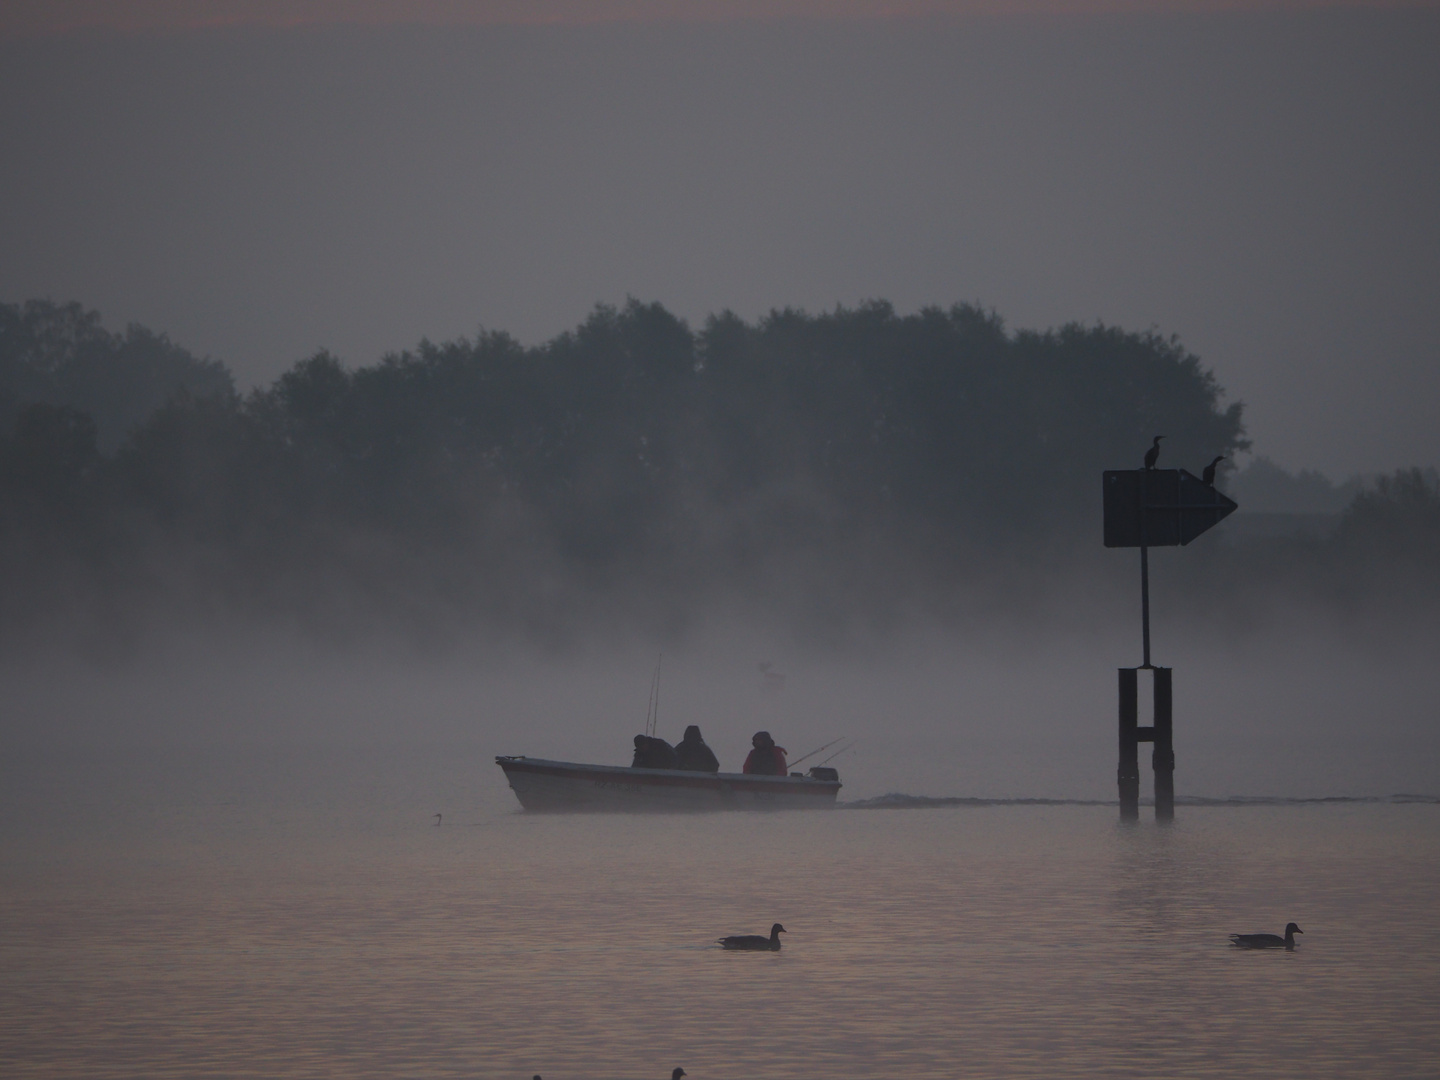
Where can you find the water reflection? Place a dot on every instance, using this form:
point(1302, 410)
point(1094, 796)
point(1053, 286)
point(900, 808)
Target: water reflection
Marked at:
point(1164, 876)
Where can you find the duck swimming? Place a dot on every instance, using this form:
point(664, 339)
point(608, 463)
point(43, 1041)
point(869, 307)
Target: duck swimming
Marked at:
point(1267, 941)
point(755, 942)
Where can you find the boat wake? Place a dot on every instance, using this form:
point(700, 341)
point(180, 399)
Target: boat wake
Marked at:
point(897, 801)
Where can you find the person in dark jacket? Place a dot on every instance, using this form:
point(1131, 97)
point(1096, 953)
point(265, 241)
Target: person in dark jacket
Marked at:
point(694, 755)
point(652, 753)
point(766, 759)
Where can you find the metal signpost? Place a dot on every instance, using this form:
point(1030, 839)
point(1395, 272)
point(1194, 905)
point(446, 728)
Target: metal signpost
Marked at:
point(1148, 508)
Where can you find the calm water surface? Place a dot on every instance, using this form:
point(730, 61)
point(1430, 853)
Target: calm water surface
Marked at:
point(234, 939)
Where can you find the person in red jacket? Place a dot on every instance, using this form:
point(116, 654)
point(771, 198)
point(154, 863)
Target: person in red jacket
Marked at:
point(766, 759)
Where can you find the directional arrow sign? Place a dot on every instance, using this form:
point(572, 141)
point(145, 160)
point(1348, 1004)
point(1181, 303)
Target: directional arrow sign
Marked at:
point(1159, 507)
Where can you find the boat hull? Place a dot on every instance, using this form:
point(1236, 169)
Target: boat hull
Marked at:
point(569, 787)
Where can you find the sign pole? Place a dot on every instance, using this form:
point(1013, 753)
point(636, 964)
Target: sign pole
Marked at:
point(1145, 602)
point(1140, 493)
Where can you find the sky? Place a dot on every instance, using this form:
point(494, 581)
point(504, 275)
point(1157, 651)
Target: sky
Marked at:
point(262, 180)
point(49, 16)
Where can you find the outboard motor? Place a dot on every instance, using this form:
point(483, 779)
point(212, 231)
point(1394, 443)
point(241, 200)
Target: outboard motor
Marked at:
point(822, 772)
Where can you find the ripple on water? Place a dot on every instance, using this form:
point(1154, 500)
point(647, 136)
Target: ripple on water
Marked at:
point(1001, 941)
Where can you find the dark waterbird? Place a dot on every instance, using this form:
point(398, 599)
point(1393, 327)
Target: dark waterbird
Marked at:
point(1208, 476)
point(755, 942)
point(1267, 941)
point(677, 1073)
point(1153, 454)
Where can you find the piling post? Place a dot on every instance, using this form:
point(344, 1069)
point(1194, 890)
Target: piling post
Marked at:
point(1163, 758)
point(1128, 775)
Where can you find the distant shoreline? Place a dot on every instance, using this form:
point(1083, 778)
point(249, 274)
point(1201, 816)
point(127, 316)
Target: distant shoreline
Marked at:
point(896, 801)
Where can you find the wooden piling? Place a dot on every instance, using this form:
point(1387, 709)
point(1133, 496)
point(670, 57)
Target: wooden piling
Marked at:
point(1132, 735)
point(1128, 775)
point(1163, 758)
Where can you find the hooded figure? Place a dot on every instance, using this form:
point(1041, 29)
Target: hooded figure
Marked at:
point(766, 759)
point(694, 755)
point(652, 753)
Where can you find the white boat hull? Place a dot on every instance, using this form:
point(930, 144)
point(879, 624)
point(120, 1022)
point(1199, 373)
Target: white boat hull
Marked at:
point(570, 787)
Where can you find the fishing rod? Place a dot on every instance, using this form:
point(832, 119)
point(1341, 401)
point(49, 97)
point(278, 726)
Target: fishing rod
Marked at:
point(837, 753)
point(812, 753)
point(652, 713)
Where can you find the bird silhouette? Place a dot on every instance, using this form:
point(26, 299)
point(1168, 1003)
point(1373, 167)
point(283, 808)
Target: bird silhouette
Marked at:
point(1153, 454)
point(755, 942)
point(677, 1073)
point(1209, 474)
point(1267, 941)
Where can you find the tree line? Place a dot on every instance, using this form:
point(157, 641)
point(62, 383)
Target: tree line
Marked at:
point(803, 456)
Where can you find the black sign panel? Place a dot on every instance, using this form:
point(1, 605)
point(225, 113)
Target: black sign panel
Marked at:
point(1159, 507)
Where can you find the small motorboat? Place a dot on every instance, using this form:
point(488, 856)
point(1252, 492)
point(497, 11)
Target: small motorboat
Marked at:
point(575, 788)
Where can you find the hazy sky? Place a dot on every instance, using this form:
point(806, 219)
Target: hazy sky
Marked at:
point(1262, 183)
point(48, 16)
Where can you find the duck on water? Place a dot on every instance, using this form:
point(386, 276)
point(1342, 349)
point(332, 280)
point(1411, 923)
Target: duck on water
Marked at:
point(1267, 941)
point(755, 942)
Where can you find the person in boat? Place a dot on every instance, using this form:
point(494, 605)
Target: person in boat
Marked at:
point(653, 753)
point(766, 759)
point(694, 755)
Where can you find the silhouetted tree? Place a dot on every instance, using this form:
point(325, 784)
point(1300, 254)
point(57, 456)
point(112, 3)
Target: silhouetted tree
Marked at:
point(1397, 519)
point(60, 354)
point(51, 458)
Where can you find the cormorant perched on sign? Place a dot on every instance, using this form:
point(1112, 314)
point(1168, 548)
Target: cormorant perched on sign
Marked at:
point(1153, 454)
point(1209, 474)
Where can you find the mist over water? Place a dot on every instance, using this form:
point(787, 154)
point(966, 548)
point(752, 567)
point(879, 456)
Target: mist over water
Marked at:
point(218, 854)
point(985, 711)
point(220, 857)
